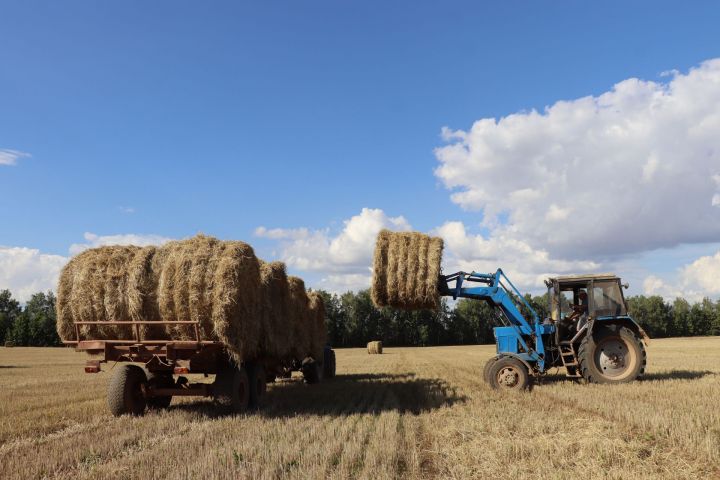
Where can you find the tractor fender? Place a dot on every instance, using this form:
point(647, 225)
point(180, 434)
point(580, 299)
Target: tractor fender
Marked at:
point(625, 321)
point(518, 357)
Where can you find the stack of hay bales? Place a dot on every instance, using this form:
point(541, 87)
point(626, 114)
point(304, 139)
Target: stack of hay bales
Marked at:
point(249, 305)
point(406, 268)
point(374, 347)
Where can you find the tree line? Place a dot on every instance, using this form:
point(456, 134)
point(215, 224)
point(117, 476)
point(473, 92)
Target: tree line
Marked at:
point(352, 320)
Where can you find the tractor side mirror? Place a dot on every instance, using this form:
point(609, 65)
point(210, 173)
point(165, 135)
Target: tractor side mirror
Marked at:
point(626, 285)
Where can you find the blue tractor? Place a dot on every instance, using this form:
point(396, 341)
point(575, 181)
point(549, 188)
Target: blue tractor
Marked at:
point(588, 331)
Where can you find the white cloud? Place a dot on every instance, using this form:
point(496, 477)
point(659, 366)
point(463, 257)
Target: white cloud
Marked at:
point(10, 157)
point(344, 259)
point(525, 266)
point(128, 210)
point(694, 281)
point(93, 240)
point(341, 283)
point(633, 169)
point(348, 251)
point(25, 271)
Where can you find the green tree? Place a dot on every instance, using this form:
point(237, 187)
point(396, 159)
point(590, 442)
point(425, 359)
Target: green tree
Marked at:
point(335, 319)
point(9, 311)
point(652, 314)
point(40, 314)
point(680, 318)
point(477, 318)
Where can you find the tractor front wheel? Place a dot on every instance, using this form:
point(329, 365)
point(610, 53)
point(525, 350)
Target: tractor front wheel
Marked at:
point(508, 373)
point(486, 369)
point(611, 354)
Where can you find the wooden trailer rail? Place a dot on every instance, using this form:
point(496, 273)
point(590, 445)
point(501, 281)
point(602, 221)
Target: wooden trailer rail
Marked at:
point(172, 356)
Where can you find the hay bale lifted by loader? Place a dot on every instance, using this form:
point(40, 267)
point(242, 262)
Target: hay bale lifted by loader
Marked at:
point(192, 306)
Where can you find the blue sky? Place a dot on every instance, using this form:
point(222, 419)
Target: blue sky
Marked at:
point(170, 118)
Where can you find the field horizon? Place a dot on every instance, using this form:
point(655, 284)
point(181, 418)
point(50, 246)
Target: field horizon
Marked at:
point(415, 412)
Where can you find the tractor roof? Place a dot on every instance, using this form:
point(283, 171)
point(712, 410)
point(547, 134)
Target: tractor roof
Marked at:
point(580, 278)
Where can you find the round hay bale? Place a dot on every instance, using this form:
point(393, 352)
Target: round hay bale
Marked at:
point(93, 286)
point(64, 316)
point(318, 330)
point(406, 268)
point(299, 318)
point(374, 347)
point(277, 327)
point(236, 300)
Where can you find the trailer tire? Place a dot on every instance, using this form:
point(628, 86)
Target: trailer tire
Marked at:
point(258, 384)
point(312, 371)
point(125, 391)
point(611, 354)
point(160, 380)
point(329, 363)
point(231, 389)
point(508, 373)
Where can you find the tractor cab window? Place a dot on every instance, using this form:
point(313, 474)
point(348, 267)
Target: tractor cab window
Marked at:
point(567, 298)
point(608, 299)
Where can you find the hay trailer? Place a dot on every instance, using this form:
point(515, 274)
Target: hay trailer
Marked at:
point(149, 373)
point(588, 333)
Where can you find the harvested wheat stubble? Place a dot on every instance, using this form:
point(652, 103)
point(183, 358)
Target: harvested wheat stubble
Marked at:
point(375, 347)
point(406, 267)
point(249, 305)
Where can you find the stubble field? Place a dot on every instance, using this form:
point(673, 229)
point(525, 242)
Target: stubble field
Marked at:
point(409, 413)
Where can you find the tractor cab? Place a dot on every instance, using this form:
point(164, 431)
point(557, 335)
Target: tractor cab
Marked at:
point(595, 295)
point(594, 338)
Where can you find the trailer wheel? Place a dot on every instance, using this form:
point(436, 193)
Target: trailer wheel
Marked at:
point(231, 389)
point(508, 373)
point(611, 354)
point(258, 384)
point(159, 380)
point(125, 391)
point(329, 364)
point(312, 371)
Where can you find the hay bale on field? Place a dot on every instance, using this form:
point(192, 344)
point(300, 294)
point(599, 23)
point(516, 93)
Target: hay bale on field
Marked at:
point(299, 317)
point(277, 328)
point(318, 330)
point(406, 267)
point(375, 347)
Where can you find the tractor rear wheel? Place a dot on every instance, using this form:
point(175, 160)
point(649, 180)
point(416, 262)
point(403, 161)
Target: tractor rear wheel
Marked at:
point(125, 391)
point(231, 389)
point(611, 354)
point(508, 373)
